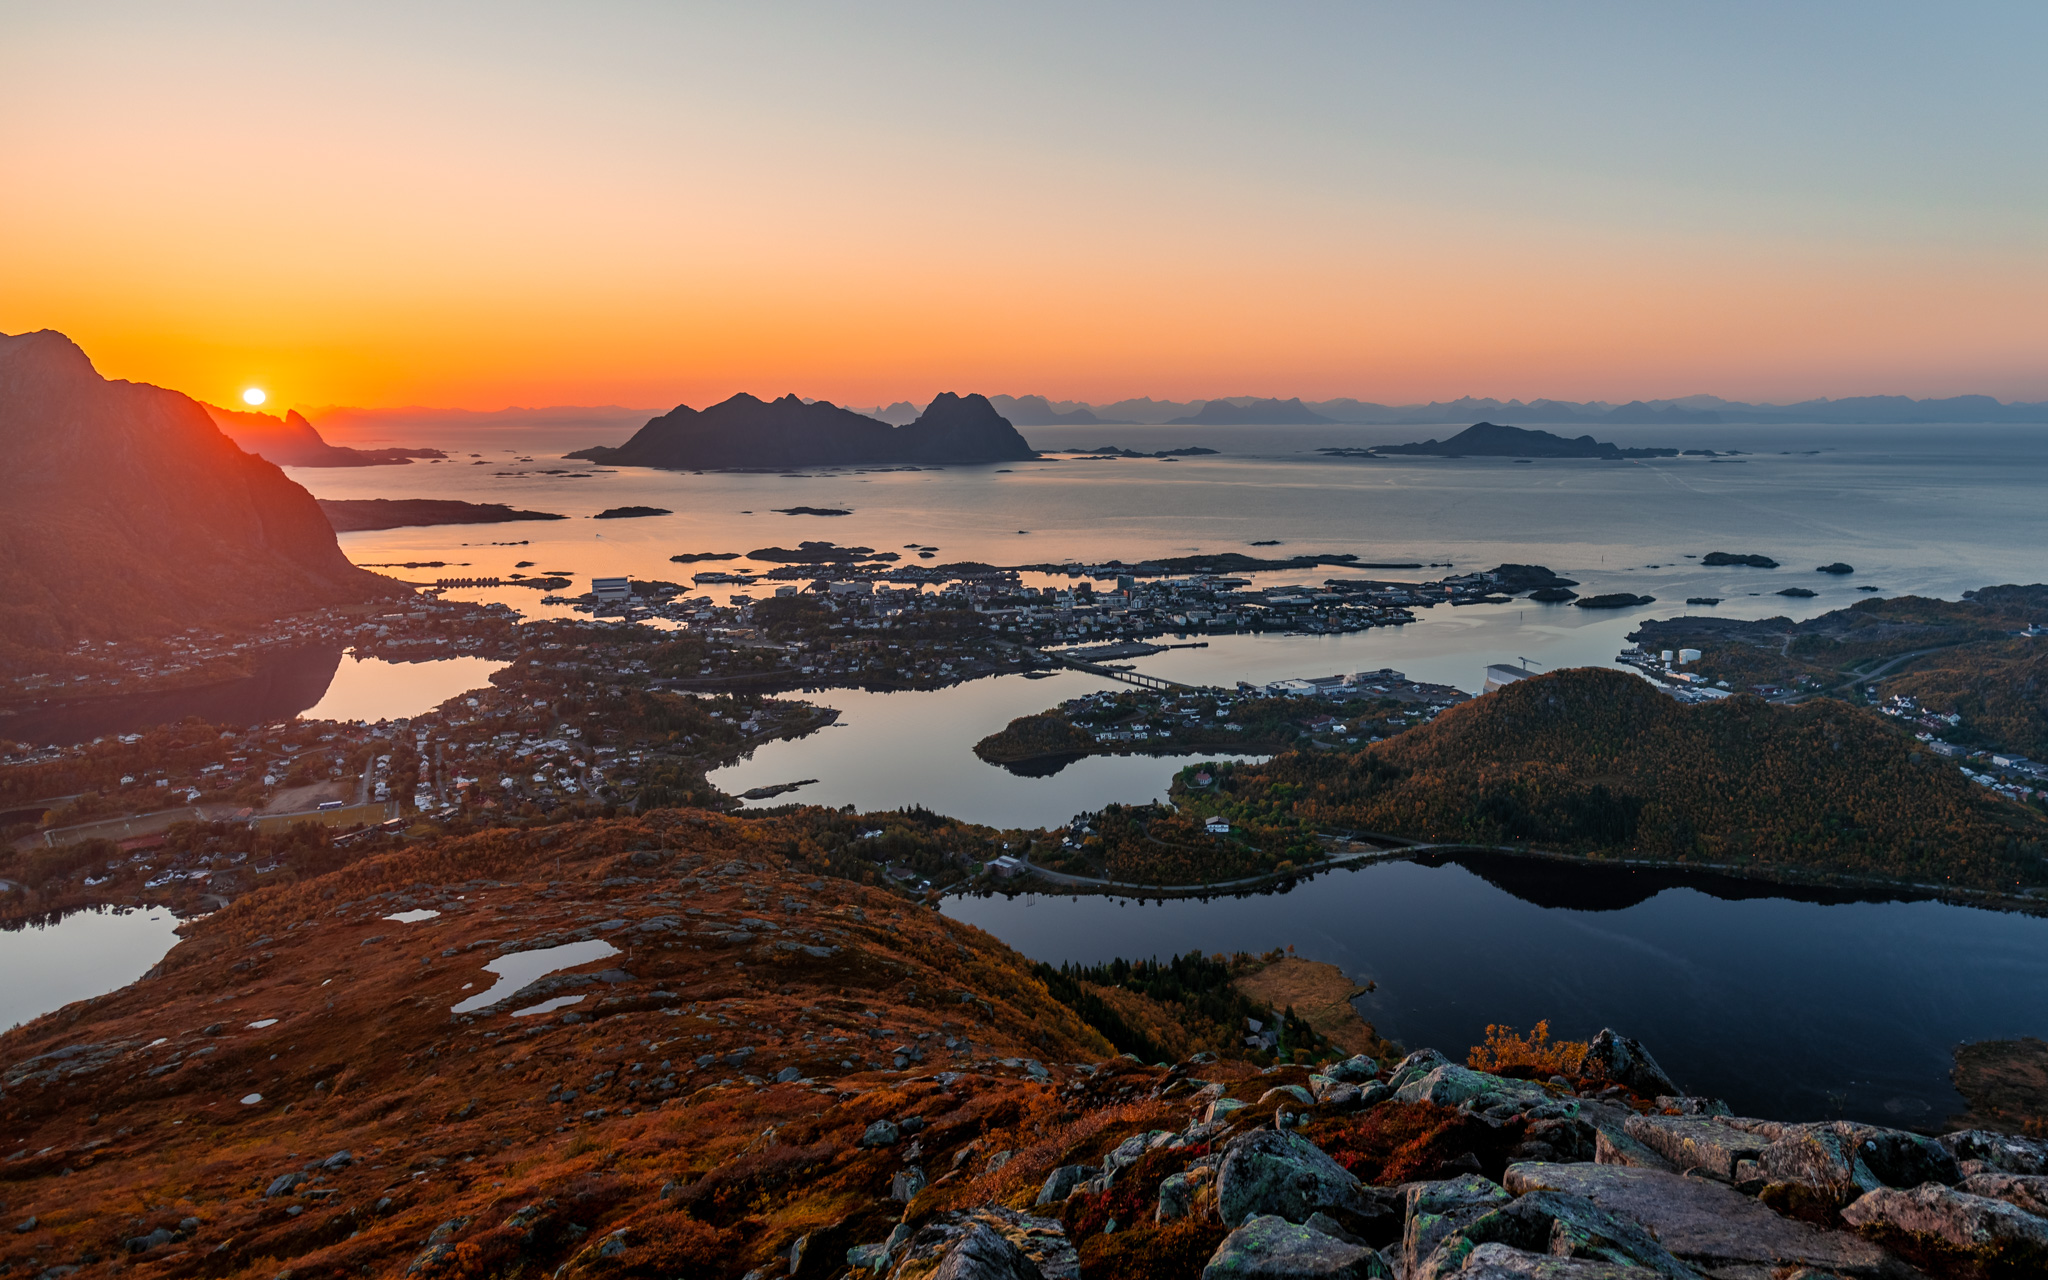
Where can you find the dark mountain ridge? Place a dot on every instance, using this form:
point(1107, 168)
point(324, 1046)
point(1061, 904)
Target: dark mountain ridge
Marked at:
point(747, 431)
point(125, 511)
point(291, 441)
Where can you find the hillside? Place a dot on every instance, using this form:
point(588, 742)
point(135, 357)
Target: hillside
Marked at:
point(1950, 657)
point(747, 1067)
point(291, 441)
point(1598, 761)
point(749, 432)
point(126, 512)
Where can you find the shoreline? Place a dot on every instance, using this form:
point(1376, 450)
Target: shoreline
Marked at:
point(1059, 883)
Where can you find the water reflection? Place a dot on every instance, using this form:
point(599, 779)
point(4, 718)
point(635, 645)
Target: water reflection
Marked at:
point(314, 682)
point(87, 953)
point(893, 750)
point(1788, 1003)
point(373, 689)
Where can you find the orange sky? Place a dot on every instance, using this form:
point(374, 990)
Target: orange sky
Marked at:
point(522, 206)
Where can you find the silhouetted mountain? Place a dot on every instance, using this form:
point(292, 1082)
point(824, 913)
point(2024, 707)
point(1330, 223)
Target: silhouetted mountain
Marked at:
point(746, 431)
point(291, 441)
point(1037, 411)
point(1491, 440)
point(1257, 413)
point(124, 511)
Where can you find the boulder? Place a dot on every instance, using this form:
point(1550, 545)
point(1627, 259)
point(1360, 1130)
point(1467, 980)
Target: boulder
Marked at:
point(1978, 1226)
point(2027, 1190)
point(981, 1253)
point(1221, 1109)
point(1451, 1085)
point(1177, 1192)
point(1706, 1224)
point(1060, 1183)
point(143, 1244)
point(953, 1246)
point(1289, 1093)
point(1500, 1262)
point(1271, 1248)
point(1842, 1160)
point(1626, 1063)
point(1435, 1209)
point(1562, 1141)
point(1353, 1070)
point(1690, 1106)
point(882, 1133)
point(1996, 1152)
point(1560, 1224)
point(904, 1187)
point(1273, 1173)
point(1417, 1064)
point(1696, 1143)
point(1614, 1146)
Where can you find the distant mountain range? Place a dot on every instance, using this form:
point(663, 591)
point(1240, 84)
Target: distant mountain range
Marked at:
point(291, 441)
point(746, 432)
point(124, 511)
point(1255, 410)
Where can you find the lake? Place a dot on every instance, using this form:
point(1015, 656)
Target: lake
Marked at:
point(893, 750)
point(319, 683)
point(87, 953)
point(1788, 1004)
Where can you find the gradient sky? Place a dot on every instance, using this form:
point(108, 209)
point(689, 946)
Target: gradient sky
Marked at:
point(504, 203)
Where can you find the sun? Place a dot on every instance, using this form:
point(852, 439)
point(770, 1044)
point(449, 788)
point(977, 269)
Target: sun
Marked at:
point(254, 395)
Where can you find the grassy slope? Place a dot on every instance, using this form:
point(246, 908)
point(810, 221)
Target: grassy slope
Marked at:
point(1598, 761)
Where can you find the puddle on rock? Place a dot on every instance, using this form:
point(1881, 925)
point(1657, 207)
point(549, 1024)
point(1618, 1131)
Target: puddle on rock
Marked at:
point(521, 967)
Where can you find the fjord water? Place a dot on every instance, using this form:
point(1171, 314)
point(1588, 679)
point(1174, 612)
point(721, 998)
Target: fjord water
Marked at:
point(1785, 1003)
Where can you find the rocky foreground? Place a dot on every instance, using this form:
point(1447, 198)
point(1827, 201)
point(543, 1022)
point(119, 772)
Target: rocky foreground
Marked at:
point(752, 1069)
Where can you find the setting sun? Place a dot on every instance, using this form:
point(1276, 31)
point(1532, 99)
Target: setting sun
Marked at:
point(254, 396)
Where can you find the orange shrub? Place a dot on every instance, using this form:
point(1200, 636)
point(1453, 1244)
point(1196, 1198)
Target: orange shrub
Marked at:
point(1504, 1050)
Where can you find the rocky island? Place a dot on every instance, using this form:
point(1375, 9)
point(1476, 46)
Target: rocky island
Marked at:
point(747, 432)
point(1492, 440)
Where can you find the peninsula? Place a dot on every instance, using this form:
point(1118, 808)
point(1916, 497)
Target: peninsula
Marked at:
point(353, 515)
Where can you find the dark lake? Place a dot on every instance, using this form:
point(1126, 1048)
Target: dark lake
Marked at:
point(1789, 1004)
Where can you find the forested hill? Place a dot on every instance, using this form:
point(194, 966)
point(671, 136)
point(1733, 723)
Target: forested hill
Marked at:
point(1598, 761)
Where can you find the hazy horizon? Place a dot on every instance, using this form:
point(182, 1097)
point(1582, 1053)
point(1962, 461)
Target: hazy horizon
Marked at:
point(445, 205)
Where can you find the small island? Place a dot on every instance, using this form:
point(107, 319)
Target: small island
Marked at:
point(631, 513)
point(1614, 600)
point(813, 511)
point(356, 515)
point(1492, 440)
point(1718, 559)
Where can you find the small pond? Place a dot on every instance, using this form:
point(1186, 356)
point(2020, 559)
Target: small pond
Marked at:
point(86, 953)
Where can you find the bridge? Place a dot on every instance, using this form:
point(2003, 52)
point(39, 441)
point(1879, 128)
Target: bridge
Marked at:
point(1138, 678)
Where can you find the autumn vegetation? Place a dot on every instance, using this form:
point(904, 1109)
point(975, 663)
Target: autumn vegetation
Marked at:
point(1600, 763)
